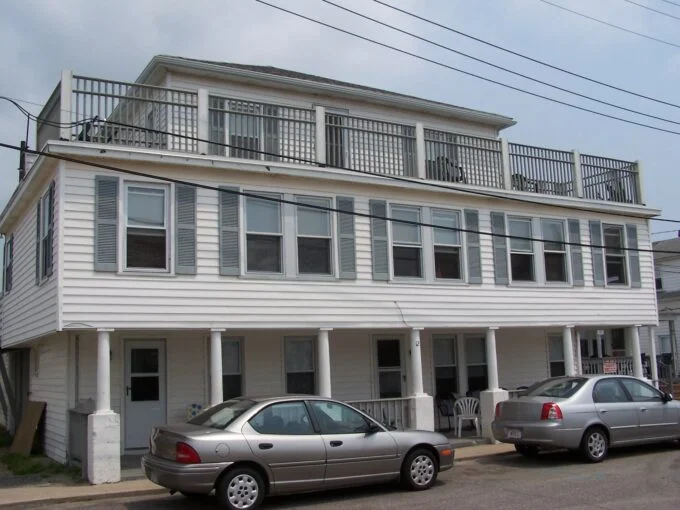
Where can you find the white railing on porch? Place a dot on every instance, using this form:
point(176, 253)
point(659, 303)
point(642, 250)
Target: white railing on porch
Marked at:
point(621, 366)
point(394, 412)
point(136, 115)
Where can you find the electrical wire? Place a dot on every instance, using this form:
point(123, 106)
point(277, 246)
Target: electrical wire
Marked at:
point(664, 232)
point(662, 41)
point(653, 10)
point(44, 121)
point(499, 67)
point(671, 2)
point(270, 198)
point(452, 68)
point(526, 57)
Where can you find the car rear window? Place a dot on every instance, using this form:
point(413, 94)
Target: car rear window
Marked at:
point(563, 387)
point(221, 415)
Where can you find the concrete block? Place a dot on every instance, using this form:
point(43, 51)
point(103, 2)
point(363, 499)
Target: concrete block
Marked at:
point(487, 404)
point(103, 448)
point(422, 412)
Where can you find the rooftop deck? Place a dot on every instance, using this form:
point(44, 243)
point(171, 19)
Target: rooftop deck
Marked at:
point(134, 115)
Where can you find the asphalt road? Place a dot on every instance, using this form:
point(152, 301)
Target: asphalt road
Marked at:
point(629, 479)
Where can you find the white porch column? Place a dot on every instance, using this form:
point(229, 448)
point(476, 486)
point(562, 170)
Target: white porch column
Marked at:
point(421, 406)
point(324, 355)
point(216, 393)
point(461, 362)
point(65, 105)
point(634, 335)
point(568, 350)
point(103, 426)
point(579, 361)
point(652, 355)
point(421, 161)
point(490, 397)
point(599, 341)
point(320, 134)
point(203, 127)
point(416, 364)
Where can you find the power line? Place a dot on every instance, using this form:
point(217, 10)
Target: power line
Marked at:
point(496, 66)
point(664, 232)
point(526, 57)
point(313, 206)
point(662, 41)
point(672, 3)
point(653, 10)
point(441, 64)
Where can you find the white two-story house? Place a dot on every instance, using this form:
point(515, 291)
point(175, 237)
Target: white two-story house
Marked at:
point(214, 230)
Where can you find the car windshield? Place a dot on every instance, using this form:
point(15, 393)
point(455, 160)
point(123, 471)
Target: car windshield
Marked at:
point(221, 415)
point(563, 387)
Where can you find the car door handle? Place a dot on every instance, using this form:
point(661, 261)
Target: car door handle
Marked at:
point(265, 446)
point(604, 411)
point(336, 443)
point(643, 409)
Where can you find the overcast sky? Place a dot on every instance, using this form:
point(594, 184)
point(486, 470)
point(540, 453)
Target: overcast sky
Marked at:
point(115, 40)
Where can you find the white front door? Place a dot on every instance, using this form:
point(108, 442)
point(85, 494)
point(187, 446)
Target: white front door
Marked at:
point(145, 402)
point(391, 376)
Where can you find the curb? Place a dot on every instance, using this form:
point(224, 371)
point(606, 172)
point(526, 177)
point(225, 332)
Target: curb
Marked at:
point(84, 497)
point(483, 455)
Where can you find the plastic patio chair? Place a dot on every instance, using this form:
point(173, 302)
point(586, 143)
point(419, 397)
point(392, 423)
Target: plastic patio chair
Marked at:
point(467, 409)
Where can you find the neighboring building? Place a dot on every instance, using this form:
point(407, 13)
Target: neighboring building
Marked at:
point(148, 296)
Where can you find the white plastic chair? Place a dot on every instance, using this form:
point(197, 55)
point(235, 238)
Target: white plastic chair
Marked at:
point(467, 409)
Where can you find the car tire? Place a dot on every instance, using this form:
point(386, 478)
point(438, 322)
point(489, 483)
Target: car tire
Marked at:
point(595, 444)
point(419, 470)
point(240, 488)
point(527, 451)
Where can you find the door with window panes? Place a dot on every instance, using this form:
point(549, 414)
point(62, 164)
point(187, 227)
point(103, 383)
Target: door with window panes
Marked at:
point(556, 355)
point(391, 377)
point(475, 357)
point(300, 365)
point(445, 370)
point(232, 385)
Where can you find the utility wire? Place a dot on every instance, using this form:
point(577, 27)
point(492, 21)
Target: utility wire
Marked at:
point(313, 206)
point(496, 66)
point(672, 3)
point(526, 57)
point(653, 10)
point(662, 41)
point(664, 232)
point(35, 118)
point(496, 82)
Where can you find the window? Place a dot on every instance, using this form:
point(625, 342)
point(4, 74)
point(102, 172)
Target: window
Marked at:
point(475, 356)
point(286, 418)
point(300, 373)
point(447, 245)
point(244, 129)
point(334, 418)
point(615, 256)
point(231, 368)
point(45, 226)
point(521, 250)
point(146, 235)
point(554, 251)
point(314, 238)
point(263, 235)
point(389, 368)
point(658, 282)
point(221, 415)
point(406, 243)
point(8, 263)
point(641, 392)
point(609, 391)
point(445, 373)
point(556, 356)
point(557, 388)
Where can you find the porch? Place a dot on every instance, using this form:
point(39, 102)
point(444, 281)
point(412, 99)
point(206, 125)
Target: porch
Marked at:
point(166, 119)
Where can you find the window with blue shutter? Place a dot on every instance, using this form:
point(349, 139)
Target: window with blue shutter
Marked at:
point(379, 241)
point(185, 229)
point(575, 252)
point(229, 213)
point(596, 252)
point(346, 238)
point(633, 256)
point(106, 223)
point(500, 248)
point(8, 263)
point(474, 252)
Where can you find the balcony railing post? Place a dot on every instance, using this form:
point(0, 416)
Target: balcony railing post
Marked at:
point(505, 163)
point(639, 184)
point(320, 119)
point(420, 151)
point(65, 104)
point(578, 174)
point(203, 128)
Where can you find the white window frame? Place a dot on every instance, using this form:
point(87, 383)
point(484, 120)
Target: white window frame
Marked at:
point(238, 340)
point(43, 235)
point(7, 266)
point(461, 245)
point(280, 234)
point(536, 272)
point(300, 338)
point(419, 245)
point(328, 202)
point(565, 252)
point(623, 255)
point(435, 365)
point(168, 194)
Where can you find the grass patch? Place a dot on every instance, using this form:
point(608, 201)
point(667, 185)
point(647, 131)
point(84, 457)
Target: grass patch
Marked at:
point(21, 465)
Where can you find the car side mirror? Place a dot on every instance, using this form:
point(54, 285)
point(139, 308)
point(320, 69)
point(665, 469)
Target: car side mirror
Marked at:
point(667, 397)
point(373, 428)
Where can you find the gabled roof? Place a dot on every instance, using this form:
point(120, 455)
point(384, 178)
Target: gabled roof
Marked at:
point(311, 81)
point(667, 245)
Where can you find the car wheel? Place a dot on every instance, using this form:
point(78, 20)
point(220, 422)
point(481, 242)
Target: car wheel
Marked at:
point(527, 451)
point(419, 471)
point(595, 445)
point(240, 488)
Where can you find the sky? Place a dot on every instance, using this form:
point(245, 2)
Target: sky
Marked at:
point(115, 40)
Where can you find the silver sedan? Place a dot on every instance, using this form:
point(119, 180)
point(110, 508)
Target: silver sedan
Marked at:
point(587, 413)
point(247, 448)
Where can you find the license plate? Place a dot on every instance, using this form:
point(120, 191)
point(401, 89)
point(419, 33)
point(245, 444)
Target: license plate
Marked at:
point(513, 433)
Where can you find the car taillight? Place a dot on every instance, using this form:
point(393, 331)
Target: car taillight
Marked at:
point(551, 411)
point(497, 413)
point(185, 454)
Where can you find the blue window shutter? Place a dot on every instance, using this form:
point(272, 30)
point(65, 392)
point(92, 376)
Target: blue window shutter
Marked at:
point(474, 251)
point(346, 240)
point(379, 242)
point(106, 223)
point(597, 253)
point(8, 264)
point(49, 254)
point(576, 253)
point(37, 242)
point(230, 253)
point(185, 229)
point(500, 248)
point(633, 256)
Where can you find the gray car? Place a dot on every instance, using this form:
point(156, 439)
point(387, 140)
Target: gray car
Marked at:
point(247, 448)
point(587, 413)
